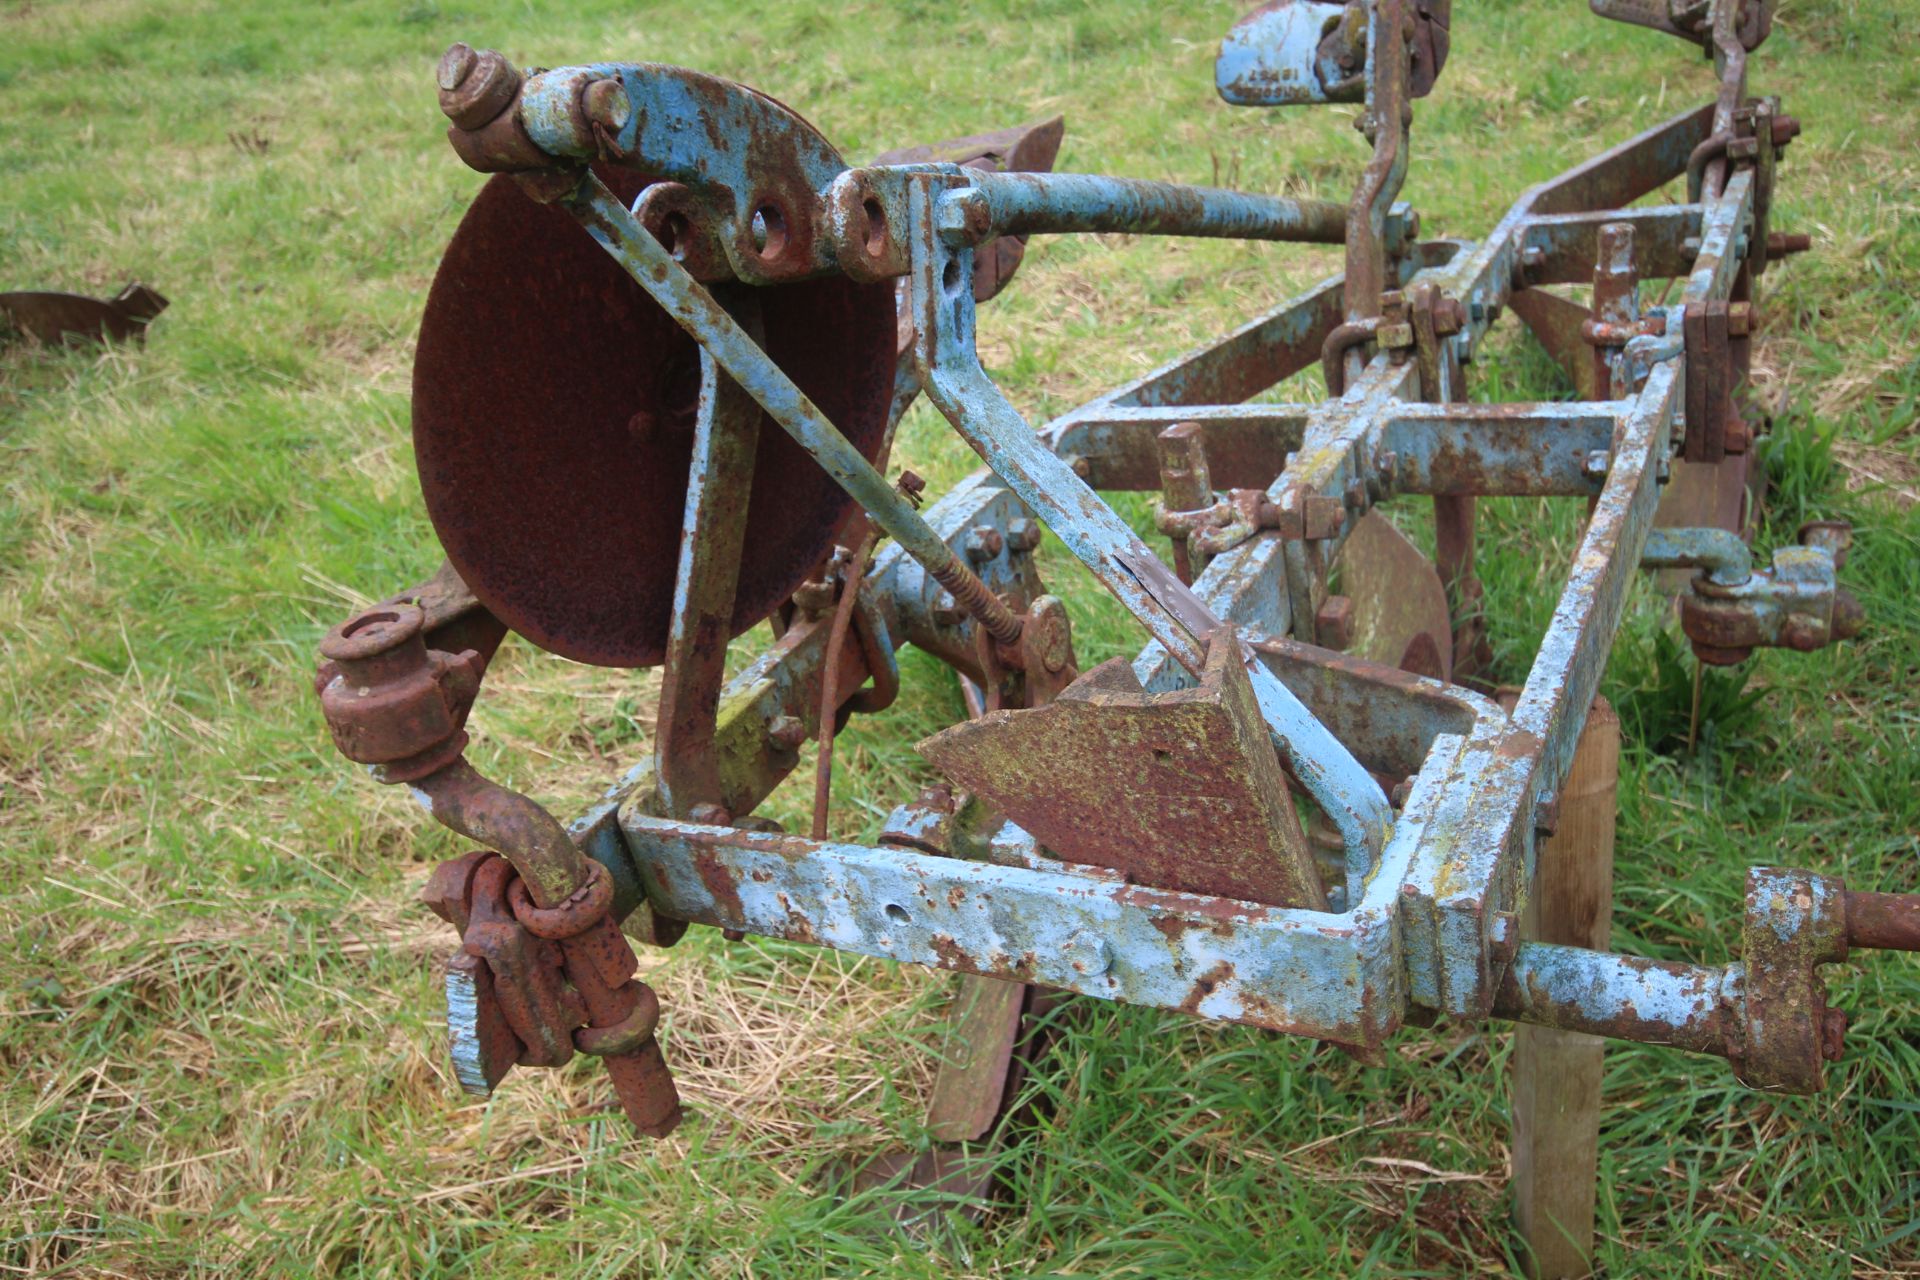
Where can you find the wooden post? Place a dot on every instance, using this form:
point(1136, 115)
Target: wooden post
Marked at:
point(1556, 1074)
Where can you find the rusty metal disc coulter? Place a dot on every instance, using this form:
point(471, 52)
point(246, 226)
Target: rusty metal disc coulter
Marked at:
point(553, 414)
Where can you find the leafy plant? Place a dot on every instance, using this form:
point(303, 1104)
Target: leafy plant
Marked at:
point(1656, 698)
point(1798, 457)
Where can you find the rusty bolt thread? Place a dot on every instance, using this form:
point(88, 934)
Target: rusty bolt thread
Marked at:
point(1849, 616)
point(972, 595)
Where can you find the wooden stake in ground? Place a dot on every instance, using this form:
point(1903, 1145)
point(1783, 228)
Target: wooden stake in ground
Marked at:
point(1556, 1074)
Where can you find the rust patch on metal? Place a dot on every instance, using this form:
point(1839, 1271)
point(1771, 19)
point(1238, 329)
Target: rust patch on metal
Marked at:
point(1205, 985)
point(713, 874)
point(951, 954)
point(1179, 790)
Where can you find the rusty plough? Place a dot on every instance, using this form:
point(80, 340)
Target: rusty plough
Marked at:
point(656, 385)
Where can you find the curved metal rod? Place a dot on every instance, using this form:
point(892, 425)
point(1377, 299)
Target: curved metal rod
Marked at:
point(462, 799)
point(1721, 552)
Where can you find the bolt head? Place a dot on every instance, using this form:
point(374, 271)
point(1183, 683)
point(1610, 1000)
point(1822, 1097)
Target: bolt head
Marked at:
point(709, 814)
point(786, 732)
point(456, 64)
point(1088, 954)
point(1322, 515)
point(1802, 633)
point(983, 543)
point(938, 797)
point(607, 104)
point(486, 87)
point(1048, 637)
point(1333, 623)
point(1504, 935)
point(814, 597)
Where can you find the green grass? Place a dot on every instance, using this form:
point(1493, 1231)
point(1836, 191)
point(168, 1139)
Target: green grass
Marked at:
point(219, 1020)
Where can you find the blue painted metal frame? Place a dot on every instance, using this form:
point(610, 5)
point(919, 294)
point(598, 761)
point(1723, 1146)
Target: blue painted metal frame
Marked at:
point(1431, 894)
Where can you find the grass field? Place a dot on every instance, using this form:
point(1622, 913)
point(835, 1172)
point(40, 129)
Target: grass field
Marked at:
point(220, 1039)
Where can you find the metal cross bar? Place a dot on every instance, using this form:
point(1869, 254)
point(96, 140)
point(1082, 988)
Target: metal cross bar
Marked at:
point(1051, 203)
